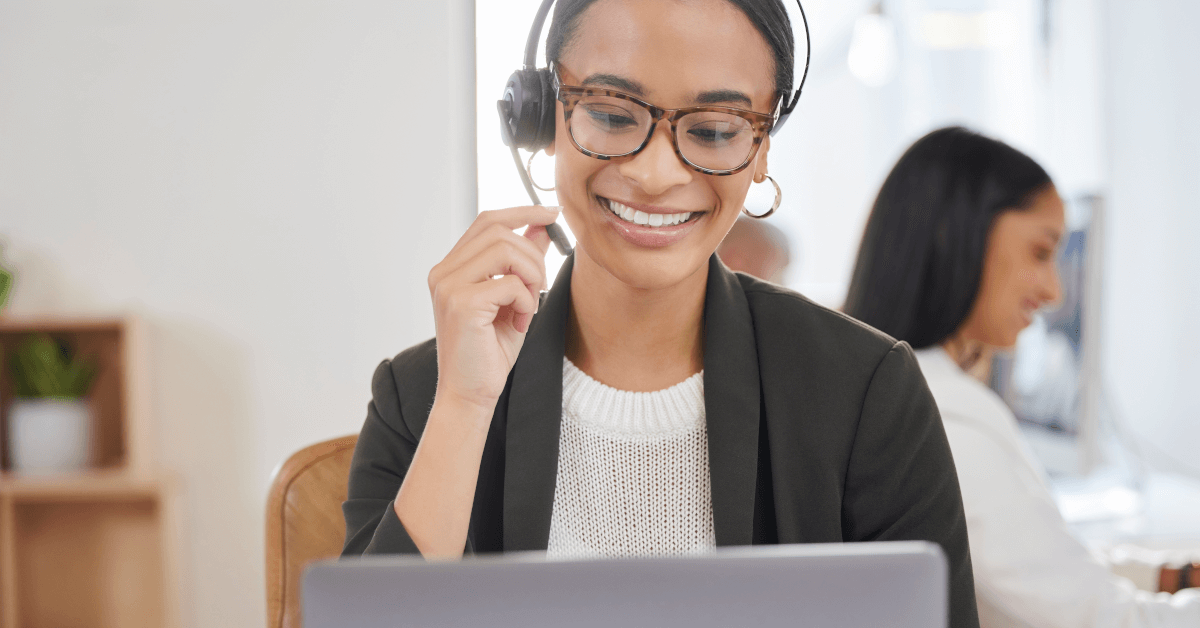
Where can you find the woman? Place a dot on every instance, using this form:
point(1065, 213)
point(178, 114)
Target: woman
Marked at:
point(657, 403)
point(958, 254)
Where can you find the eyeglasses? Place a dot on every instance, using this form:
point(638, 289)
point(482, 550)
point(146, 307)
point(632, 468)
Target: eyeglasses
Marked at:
point(606, 124)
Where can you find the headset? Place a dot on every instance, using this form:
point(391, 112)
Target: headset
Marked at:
point(528, 107)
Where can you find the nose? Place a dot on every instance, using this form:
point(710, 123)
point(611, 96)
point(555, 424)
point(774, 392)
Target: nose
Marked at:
point(657, 168)
point(1051, 286)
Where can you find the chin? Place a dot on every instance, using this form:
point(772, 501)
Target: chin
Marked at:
point(645, 270)
point(1008, 340)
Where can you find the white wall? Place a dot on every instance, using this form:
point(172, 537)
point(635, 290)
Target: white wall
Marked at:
point(1153, 291)
point(267, 182)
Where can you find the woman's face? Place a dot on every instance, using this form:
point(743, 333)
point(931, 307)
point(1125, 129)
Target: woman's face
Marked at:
point(671, 54)
point(1019, 271)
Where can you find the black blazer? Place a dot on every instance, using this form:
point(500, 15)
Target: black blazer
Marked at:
point(820, 429)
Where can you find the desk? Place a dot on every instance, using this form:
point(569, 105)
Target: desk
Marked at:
point(1163, 515)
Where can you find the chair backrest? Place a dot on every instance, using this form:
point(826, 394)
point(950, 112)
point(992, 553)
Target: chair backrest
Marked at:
point(304, 521)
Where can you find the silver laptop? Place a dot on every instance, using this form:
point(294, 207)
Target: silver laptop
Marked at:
point(899, 584)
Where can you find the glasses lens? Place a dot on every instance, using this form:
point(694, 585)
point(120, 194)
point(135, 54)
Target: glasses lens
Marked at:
point(609, 126)
point(715, 140)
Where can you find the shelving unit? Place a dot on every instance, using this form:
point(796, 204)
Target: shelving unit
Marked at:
point(96, 548)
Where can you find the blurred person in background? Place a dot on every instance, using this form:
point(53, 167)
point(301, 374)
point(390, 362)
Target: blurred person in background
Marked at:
point(958, 254)
point(756, 248)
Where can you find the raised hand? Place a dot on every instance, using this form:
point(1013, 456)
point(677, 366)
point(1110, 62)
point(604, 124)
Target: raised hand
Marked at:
point(485, 292)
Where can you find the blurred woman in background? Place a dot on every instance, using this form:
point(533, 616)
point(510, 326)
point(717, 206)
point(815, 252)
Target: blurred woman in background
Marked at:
point(959, 253)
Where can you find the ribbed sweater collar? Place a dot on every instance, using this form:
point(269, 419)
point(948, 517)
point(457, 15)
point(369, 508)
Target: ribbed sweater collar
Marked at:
point(666, 412)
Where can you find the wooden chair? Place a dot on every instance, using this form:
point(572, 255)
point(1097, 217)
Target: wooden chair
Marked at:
point(304, 521)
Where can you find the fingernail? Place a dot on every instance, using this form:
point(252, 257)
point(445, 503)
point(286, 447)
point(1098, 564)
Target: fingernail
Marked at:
point(554, 208)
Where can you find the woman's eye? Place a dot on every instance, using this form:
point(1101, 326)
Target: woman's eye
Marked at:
point(610, 119)
point(1043, 254)
point(713, 136)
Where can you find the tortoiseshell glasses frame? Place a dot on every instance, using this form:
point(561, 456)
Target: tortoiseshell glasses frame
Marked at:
point(570, 95)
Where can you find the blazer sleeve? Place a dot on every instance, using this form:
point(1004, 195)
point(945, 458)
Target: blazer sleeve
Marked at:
point(901, 483)
point(381, 459)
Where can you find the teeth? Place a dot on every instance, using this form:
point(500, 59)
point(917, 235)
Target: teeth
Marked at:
point(629, 214)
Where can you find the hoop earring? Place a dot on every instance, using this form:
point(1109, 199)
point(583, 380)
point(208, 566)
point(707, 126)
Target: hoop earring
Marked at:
point(774, 206)
point(529, 171)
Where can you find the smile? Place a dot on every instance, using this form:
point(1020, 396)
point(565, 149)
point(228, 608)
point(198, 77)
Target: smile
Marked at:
point(641, 218)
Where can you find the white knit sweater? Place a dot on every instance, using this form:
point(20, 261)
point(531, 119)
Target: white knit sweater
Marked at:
point(633, 477)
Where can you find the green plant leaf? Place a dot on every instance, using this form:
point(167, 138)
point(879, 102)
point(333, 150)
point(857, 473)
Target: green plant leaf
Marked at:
point(6, 281)
point(40, 368)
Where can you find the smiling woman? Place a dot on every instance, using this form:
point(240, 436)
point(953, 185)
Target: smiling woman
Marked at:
point(958, 254)
point(657, 403)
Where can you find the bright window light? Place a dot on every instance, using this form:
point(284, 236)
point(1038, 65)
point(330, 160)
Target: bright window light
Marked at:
point(500, 32)
point(958, 30)
point(873, 54)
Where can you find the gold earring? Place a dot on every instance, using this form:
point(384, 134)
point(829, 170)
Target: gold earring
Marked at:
point(529, 171)
point(774, 206)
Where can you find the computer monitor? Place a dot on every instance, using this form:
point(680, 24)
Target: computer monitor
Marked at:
point(898, 584)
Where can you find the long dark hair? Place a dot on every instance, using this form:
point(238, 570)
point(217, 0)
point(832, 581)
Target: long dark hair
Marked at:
point(769, 17)
point(921, 258)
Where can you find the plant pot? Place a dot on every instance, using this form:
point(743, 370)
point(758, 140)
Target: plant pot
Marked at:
point(49, 435)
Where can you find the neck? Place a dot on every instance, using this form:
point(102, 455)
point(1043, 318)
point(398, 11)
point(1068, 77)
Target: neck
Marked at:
point(635, 339)
point(972, 356)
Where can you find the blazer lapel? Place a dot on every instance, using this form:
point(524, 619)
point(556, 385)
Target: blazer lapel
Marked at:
point(534, 416)
point(731, 403)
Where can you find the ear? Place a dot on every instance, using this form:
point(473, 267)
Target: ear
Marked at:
point(549, 150)
point(760, 160)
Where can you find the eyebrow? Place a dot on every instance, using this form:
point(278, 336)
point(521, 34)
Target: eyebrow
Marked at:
point(615, 82)
point(710, 97)
point(723, 96)
point(1057, 236)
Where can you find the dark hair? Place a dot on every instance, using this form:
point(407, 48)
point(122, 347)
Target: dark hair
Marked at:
point(768, 16)
point(921, 258)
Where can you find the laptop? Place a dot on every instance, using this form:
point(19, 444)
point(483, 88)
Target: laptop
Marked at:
point(898, 584)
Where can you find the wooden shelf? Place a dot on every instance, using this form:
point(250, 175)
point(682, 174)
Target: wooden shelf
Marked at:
point(89, 562)
point(90, 486)
point(96, 548)
point(58, 324)
point(117, 400)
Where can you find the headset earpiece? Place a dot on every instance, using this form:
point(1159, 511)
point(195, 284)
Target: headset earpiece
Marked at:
point(531, 108)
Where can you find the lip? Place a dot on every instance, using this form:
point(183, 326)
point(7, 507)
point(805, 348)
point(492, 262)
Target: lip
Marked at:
point(1028, 309)
point(643, 235)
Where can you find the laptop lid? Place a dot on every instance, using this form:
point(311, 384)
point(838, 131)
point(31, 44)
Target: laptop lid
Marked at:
point(900, 584)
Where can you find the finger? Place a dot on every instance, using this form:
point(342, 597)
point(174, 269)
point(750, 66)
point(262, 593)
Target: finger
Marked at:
point(487, 239)
point(501, 258)
point(520, 322)
point(510, 218)
point(537, 234)
point(505, 292)
point(464, 255)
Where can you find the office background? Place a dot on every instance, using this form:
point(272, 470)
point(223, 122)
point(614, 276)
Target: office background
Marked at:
point(268, 183)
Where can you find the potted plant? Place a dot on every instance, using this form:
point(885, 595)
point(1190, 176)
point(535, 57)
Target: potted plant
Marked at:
point(6, 282)
point(49, 426)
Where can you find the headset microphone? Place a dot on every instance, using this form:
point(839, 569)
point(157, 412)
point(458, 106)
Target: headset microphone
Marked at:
point(528, 107)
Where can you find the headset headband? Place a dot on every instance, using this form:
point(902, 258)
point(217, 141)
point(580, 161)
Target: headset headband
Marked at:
point(785, 106)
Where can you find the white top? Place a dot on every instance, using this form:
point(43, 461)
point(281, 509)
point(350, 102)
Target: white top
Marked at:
point(1029, 569)
point(632, 471)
